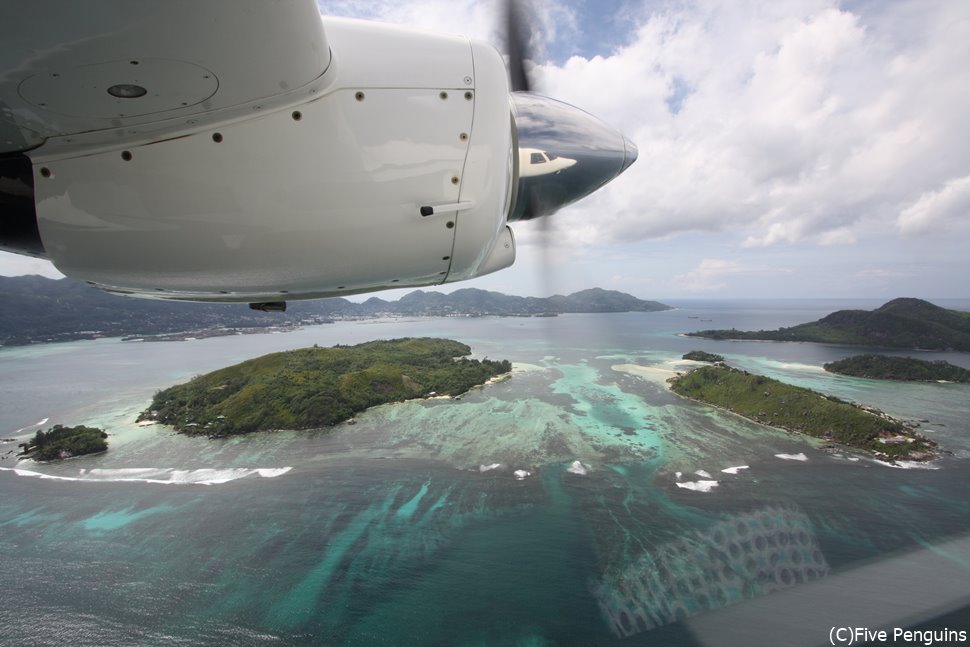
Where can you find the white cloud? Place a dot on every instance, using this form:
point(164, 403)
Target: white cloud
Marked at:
point(799, 121)
point(549, 21)
point(839, 236)
point(938, 210)
point(714, 274)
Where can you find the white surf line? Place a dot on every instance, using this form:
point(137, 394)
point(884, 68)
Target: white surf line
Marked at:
point(698, 486)
point(36, 424)
point(160, 476)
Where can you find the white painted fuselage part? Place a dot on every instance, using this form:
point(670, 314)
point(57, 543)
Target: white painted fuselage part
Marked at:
point(314, 191)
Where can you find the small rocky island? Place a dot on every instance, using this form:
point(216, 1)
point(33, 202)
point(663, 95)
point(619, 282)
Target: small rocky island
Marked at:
point(770, 402)
point(319, 387)
point(883, 367)
point(703, 356)
point(61, 442)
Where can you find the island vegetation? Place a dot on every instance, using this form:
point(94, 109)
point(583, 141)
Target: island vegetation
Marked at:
point(60, 442)
point(319, 387)
point(703, 356)
point(900, 323)
point(796, 409)
point(883, 367)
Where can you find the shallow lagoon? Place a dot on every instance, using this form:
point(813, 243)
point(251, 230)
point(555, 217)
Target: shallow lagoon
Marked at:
point(390, 532)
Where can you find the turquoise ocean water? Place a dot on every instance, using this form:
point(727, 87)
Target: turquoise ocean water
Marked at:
point(578, 503)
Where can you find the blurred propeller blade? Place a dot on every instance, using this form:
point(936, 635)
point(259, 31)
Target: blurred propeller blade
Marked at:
point(517, 45)
point(562, 153)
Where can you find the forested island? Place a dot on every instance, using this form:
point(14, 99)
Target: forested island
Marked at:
point(883, 367)
point(900, 323)
point(770, 402)
point(319, 387)
point(65, 442)
point(703, 356)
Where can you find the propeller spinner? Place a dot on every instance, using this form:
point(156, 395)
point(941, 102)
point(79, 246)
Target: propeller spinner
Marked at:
point(563, 153)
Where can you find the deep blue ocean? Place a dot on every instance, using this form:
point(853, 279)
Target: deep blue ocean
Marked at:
point(577, 503)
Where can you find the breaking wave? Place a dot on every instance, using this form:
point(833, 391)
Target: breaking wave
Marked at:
point(39, 423)
point(698, 486)
point(159, 475)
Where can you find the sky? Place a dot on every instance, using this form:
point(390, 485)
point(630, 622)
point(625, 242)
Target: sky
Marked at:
point(788, 148)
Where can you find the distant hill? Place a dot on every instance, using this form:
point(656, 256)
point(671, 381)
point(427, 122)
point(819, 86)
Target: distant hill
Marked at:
point(472, 301)
point(38, 309)
point(900, 323)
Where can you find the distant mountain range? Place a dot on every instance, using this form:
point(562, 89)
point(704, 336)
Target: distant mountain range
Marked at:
point(38, 309)
point(900, 323)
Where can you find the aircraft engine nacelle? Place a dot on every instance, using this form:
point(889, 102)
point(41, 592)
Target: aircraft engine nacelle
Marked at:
point(393, 167)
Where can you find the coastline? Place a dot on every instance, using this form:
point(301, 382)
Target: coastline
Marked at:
point(829, 442)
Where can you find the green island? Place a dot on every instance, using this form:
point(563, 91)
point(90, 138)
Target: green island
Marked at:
point(883, 367)
point(796, 409)
point(703, 356)
point(319, 387)
point(900, 323)
point(65, 442)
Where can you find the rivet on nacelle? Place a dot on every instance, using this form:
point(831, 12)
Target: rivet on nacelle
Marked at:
point(463, 137)
point(45, 172)
point(126, 155)
point(454, 179)
point(450, 224)
point(469, 95)
point(443, 95)
point(297, 115)
point(359, 96)
point(217, 138)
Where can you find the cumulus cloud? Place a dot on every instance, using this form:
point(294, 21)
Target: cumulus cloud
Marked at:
point(794, 121)
point(938, 210)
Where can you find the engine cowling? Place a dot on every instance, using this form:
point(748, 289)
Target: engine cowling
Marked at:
point(393, 170)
